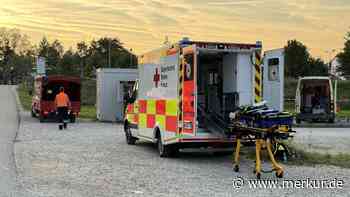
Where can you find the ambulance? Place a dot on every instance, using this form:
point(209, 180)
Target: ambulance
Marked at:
point(187, 90)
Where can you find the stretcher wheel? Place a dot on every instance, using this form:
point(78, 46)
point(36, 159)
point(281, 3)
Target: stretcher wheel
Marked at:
point(236, 168)
point(129, 138)
point(258, 175)
point(279, 174)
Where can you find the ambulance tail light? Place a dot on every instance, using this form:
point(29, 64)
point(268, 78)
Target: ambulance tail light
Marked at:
point(188, 125)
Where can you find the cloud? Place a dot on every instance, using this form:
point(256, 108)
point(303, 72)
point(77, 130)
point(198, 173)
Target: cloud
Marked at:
point(143, 24)
point(232, 2)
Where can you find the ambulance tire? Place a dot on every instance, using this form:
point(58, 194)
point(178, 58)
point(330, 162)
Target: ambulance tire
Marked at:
point(131, 140)
point(331, 120)
point(165, 150)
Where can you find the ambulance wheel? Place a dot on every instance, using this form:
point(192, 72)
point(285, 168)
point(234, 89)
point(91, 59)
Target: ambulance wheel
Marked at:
point(175, 151)
point(163, 150)
point(129, 138)
point(331, 120)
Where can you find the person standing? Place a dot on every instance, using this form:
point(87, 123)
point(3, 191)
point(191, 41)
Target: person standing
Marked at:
point(62, 105)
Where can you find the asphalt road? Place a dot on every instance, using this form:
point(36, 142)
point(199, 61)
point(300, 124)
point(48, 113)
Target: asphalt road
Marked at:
point(8, 129)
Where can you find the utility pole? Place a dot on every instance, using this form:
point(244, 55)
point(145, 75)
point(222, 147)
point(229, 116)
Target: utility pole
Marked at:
point(330, 59)
point(130, 57)
point(82, 61)
point(109, 52)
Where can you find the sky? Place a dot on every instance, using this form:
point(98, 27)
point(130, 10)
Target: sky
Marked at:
point(143, 24)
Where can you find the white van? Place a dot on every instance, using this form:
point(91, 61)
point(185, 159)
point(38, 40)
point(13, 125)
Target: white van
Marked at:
point(315, 99)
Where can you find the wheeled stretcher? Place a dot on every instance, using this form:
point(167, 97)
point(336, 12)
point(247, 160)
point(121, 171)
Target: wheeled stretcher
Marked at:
point(267, 127)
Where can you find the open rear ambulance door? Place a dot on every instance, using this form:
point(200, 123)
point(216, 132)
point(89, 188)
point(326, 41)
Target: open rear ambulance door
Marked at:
point(188, 89)
point(273, 78)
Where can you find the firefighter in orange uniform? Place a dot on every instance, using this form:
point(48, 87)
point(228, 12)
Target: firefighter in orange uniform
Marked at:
point(62, 105)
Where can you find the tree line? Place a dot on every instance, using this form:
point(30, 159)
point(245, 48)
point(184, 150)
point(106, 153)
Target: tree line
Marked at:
point(299, 62)
point(18, 56)
point(344, 58)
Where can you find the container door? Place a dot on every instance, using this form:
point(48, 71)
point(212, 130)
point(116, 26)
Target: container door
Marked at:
point(189, 90)
point(297, 98)
point(98, 96)
point(273, 78)
point(334, 107)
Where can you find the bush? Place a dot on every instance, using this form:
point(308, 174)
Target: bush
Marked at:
point(88, 92)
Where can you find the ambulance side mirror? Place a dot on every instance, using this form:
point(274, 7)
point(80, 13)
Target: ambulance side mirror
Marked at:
point(131, 97)
point(130, 100)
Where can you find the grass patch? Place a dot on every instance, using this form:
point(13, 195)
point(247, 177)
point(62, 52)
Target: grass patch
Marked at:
point(344, 113)
point(88, 112)
point(289, 106)
point(24, 97)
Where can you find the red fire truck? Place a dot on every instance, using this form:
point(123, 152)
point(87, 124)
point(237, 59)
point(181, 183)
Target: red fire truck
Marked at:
point(45, 90)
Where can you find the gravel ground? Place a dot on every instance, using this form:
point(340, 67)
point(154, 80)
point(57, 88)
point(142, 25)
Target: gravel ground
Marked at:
point(8, 129)
point(92, 159)
point(324, 140)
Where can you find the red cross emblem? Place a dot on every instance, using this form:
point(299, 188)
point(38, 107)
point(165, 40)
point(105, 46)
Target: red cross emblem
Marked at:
point(156, 78)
